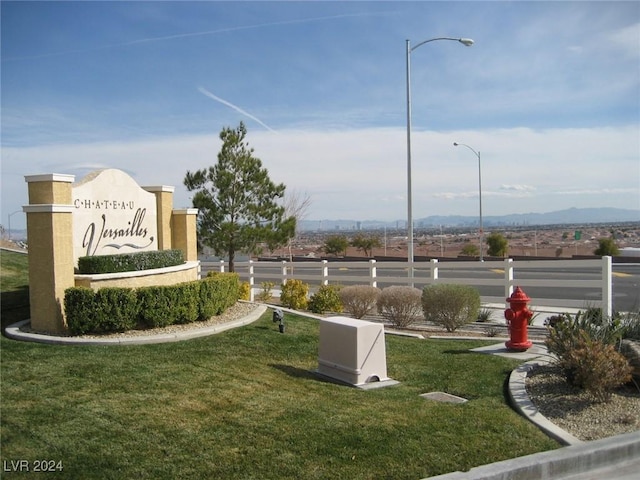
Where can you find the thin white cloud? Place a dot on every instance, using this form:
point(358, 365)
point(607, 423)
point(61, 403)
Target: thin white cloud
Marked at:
point(596, 191)
point(197, 34)
point(518, 188)
point(627, 39)
point(235, 107)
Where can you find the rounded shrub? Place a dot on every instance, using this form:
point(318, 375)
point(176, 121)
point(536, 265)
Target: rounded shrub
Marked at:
point(293, 294)
point(244, 291)
point(359, 300)
point(450, 306)
point(400, 305)
point(326, 299)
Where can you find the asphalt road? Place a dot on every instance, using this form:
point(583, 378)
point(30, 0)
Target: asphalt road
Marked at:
point(626, 280)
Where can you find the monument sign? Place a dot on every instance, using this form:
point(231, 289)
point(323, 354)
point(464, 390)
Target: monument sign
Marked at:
point(112, 214)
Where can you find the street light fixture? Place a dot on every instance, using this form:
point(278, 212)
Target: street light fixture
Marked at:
point(466, 42)
point(456, 144)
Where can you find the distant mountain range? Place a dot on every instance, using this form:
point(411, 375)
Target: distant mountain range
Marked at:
point(560, 217)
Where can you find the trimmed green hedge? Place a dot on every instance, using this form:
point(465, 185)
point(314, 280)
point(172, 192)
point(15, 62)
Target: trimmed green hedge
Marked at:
point(130, 262)
point(119, 309)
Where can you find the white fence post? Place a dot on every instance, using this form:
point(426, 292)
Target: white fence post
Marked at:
point(251, 281)
point(325, 272)
point(508, 278)
point(607, 296)
point(221, 266)
point(284, 272)
point(372, 273)
point(434, 269)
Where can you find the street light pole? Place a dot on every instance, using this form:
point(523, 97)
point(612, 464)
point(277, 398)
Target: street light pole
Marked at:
point(466, 42)
point(10, 215)
point(455, 144)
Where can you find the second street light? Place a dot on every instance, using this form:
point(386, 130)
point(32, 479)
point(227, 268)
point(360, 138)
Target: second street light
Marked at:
point(11, 215)
point(464, 41)
point(455, 144)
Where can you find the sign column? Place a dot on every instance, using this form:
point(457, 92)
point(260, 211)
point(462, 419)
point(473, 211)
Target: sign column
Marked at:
point(50, 239)
point(164, 207)
point(184, 232)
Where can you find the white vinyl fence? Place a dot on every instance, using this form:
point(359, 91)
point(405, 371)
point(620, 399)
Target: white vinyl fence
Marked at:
point(584, 283)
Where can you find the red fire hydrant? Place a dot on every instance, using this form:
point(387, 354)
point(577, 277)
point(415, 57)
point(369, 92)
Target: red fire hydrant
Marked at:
point(518, 317)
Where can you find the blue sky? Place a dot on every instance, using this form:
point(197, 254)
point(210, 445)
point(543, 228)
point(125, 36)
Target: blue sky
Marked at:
point(549, 94)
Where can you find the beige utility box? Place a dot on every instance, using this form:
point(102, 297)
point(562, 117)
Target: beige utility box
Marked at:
point(353, 351)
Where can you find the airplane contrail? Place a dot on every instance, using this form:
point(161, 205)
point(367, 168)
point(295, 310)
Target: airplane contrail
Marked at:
point(206, 92)
point(194, 34)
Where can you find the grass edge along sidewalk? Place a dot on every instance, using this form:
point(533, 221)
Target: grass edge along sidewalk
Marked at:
point(246, 404)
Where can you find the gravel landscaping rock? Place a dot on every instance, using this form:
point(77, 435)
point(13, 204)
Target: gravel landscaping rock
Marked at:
point(576, 412)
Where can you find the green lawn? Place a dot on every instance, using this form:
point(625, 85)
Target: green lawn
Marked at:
point(245, 404)
point(14, 287)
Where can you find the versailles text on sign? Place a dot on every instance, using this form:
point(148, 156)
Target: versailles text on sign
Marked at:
point(113, 214)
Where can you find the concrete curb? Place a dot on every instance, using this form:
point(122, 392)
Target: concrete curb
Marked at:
point(523, 404)
point(13, 332)
point(576, 461)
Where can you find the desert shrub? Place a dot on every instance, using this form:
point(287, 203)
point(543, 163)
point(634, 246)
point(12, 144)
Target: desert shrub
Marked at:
point(293, 294)
point(326, 299)
point(400, 305)
point(266, 292)
point(450, 306)
point(595, 366)
point(244, 291)
point(562, 337)
point(484, 315)
point(554, 320)
point(630, 349)
point(586, 348)
point(359, 300)
point(630, 323)
point(491, 332)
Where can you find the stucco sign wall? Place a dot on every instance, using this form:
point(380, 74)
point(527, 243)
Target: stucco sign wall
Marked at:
point(112, 214)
